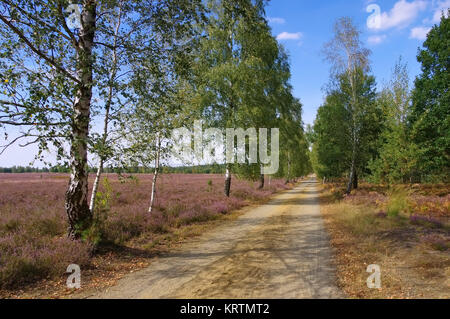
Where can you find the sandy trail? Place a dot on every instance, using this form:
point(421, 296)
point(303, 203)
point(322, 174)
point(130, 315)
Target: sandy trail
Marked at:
point(277, 250)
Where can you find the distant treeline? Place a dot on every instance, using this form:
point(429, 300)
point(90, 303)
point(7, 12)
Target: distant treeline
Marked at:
point(202, 169)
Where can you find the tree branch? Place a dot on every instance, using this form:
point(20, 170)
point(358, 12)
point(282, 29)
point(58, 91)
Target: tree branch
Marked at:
point(66, 28)
point(37, 51)
point(31, 123)
point(36, 19)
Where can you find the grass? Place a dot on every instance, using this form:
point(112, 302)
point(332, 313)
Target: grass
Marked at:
point(398, 202)
point(372, 227)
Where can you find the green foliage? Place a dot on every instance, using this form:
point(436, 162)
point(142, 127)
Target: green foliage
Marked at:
point(397, 158)
point(342, 132)
point(242, 76)
point(348, 124)
point(430, 116)
point(390, 139)
point(331, 146)
point(294, 152)
point(55, 79)
point(398, 202)
point(95, 233)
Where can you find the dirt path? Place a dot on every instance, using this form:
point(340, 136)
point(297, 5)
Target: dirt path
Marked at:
point(278, 250)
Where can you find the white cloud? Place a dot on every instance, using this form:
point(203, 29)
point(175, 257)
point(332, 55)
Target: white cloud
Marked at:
point(419, 33)
point(442, 6)
point(376, 39)
point(289, 36)
point(276, 20)
point(401, 15)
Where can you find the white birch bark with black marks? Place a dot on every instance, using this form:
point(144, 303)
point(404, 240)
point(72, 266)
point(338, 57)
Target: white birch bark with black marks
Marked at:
point(76, 204)
point(227, 181)
point(261, 179)
point(156, 172)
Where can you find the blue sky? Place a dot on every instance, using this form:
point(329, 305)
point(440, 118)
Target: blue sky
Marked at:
point(303, 26)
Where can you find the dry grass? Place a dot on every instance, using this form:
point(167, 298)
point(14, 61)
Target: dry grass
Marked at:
point(411, 266)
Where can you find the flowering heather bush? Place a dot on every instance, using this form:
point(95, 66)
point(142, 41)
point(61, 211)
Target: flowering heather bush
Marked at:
point(219, 207)
point(33, 222)
point(26, 257)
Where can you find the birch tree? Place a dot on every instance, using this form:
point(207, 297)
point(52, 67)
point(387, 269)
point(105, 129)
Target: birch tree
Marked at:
point(49, 88)
point(235, 72)
point(158, 85)
point(50, 74)
point(351, 60)
point(334, 130)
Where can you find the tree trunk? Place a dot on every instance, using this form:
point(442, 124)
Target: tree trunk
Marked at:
point(261, 181)
point(351, 73)
point(350, 180)
point(95, 186)
point(76, 204)
point(288, 179)
point(155, 175)
point(355, 180)
point(227, 181)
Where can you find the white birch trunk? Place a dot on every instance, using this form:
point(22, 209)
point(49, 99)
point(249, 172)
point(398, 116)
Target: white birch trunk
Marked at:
point(155, 175)
point(227, 181)
point(95, 186)
point(76, 204)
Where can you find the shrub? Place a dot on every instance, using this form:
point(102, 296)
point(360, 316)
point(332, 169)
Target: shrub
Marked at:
point(48, 226)
point(398, 202)
point(10, 226)
point(96, 233)
point(219, 208)
point(25, 259)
